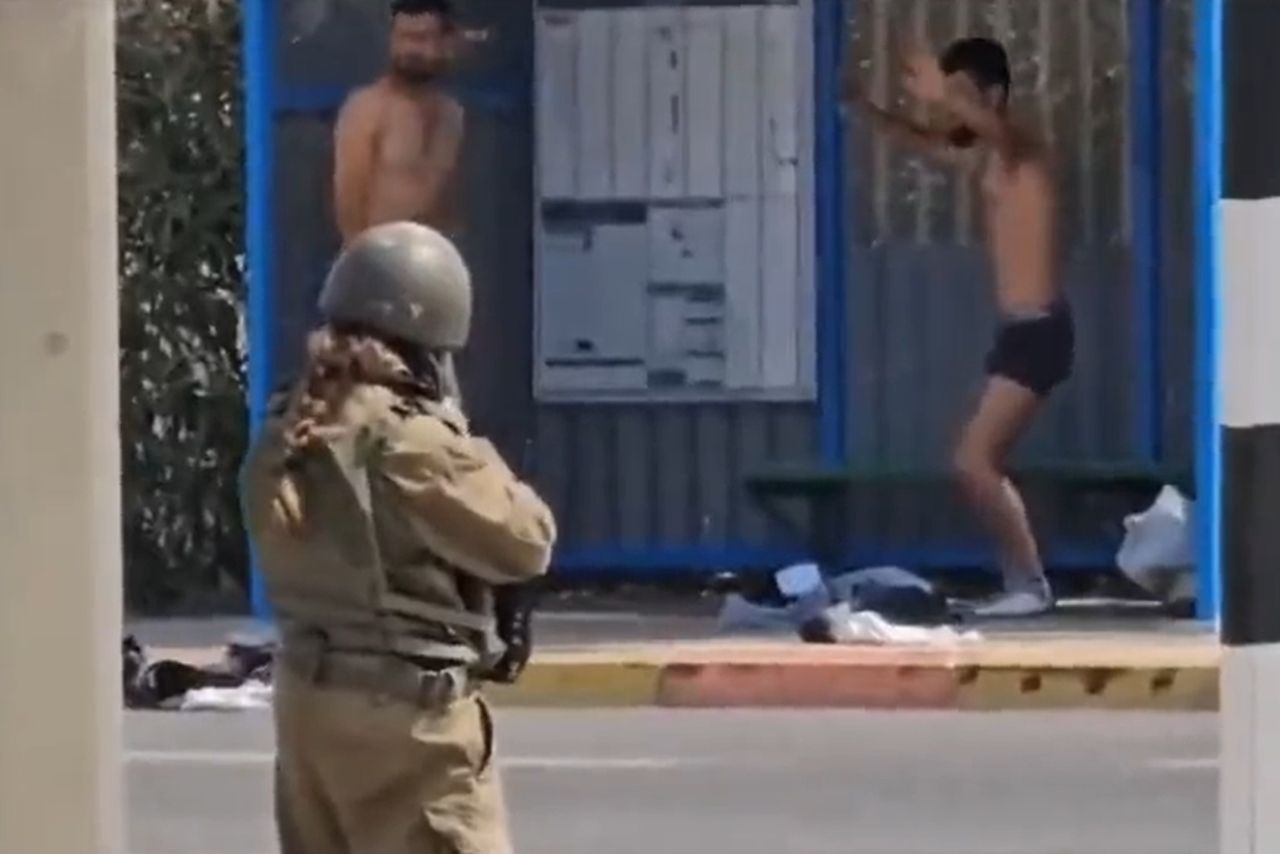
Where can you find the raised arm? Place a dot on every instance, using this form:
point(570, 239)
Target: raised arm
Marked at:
point(901, 129)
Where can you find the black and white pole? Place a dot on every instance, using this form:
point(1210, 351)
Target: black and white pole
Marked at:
point(1249, 383)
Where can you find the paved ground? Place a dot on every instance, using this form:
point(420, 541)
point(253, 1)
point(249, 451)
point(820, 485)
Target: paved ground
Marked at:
point(693, 619)
point(752, 782)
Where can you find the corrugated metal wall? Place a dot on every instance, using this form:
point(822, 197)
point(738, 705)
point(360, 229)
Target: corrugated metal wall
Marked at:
point(322, 47)
point(653, 485)
point(1177, 201)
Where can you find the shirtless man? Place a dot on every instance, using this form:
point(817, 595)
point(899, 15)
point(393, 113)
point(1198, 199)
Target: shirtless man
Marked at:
point(1034, 344)
point(397, 141)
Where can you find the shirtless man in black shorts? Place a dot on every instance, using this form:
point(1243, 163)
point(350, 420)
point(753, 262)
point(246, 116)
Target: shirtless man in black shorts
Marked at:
point(1035, 339)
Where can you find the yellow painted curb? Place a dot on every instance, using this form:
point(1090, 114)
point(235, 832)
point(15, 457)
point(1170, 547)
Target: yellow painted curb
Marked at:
point(1002, 679)
point(582, 685)
point(1186, 689)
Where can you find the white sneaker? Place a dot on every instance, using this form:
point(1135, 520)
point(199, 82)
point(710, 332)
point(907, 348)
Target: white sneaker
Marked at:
point(1016, 603)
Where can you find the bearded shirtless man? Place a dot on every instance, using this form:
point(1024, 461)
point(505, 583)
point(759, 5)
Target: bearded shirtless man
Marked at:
point(1035, 339)
point(397, 142)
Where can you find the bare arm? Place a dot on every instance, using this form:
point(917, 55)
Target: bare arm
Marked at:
point(444, 155)
point(903, 130)
point(909, 133)
point(354, 141)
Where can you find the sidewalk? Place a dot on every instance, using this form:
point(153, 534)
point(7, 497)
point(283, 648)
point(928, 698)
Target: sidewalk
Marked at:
point(1086, 657)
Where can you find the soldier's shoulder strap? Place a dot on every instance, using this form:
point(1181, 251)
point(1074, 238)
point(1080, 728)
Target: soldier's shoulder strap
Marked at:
point(398, 407)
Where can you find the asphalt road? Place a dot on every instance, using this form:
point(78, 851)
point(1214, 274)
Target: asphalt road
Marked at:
point(750, 782)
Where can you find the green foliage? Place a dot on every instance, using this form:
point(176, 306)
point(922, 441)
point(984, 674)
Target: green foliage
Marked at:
point(181, 187)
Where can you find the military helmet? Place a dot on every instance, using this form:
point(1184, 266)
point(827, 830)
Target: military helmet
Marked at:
point(405, 281)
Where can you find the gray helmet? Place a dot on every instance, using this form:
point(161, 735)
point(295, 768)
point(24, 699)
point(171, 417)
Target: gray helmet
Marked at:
point(405, 281)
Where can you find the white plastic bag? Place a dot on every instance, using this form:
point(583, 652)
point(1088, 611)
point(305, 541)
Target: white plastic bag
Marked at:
point(1158, 551)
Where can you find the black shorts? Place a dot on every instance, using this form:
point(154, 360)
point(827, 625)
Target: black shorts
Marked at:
point(1036, 352)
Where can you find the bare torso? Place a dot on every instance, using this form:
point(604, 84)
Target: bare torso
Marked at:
point(1020, 217)
point(416, 147)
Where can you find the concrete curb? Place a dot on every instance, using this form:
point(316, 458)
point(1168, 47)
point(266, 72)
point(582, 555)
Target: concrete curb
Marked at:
point(996, 676)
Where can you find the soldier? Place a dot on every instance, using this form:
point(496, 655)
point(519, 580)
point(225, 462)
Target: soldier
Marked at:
point(386, 534)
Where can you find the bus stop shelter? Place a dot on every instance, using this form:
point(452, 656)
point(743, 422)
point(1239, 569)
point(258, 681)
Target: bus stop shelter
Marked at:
point(852, 335)
point(60, 453)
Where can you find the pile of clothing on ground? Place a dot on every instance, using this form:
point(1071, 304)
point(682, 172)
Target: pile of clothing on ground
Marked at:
point(876, 606)
point(241, 680)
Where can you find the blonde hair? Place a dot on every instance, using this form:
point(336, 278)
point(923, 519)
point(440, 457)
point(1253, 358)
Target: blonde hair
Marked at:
point(337, 362)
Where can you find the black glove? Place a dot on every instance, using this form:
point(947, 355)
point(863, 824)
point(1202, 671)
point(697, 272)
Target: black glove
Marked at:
point(513, 613)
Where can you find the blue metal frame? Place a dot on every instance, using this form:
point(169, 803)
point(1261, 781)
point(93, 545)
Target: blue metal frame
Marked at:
point(830, 233)
point(265, 101)
point(1208, 193)
point(1146, 181)
point(259, 95)
point(493, 95)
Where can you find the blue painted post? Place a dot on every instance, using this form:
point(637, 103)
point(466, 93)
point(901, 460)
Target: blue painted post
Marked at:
point(259, 95)
point(1208, 414)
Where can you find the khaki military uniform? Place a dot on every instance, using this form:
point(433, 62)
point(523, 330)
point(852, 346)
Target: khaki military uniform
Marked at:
point(384, 594)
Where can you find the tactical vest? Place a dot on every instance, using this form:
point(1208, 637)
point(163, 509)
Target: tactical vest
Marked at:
point(328, 581)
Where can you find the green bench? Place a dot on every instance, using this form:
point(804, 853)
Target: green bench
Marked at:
point(828, 492)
